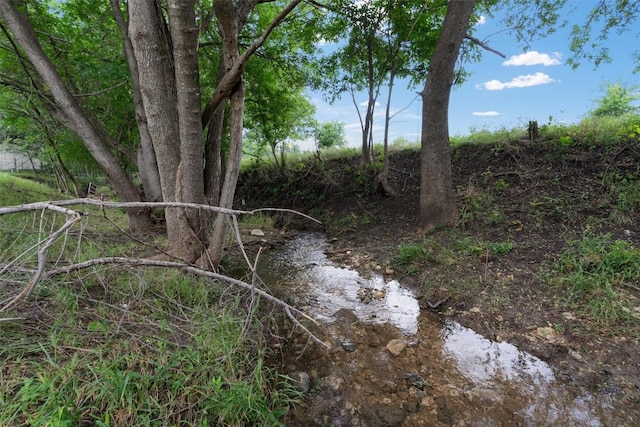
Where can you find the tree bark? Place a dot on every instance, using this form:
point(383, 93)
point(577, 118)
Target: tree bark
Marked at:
point(213, 168)
point(190, 187)
point(165, 110)
point(146, 157)
point(437, 202)
point(70, 112)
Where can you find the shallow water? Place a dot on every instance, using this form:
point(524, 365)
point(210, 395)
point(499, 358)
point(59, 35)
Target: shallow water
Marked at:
point(482, 382)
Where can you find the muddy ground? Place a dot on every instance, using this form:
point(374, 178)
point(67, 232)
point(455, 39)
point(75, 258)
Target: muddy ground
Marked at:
point(537, 196)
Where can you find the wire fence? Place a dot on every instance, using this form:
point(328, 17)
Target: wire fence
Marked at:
point(17, 162)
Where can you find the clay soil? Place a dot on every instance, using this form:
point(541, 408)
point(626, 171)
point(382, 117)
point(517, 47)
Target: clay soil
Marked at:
point(537, 196)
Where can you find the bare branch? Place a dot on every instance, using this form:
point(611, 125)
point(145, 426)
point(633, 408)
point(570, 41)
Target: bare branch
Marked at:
point(53, 205)
point(42, 259)
point(194, 270)
point(484, 45)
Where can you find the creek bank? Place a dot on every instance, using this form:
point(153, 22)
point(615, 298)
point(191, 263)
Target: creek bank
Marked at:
point(411, 368)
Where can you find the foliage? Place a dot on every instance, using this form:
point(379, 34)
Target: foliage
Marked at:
point(402, 143)
point(597, 272)
point(412, 257)
point(616, 101)
point(605, 17)
point(478, 208)
point(330, 134)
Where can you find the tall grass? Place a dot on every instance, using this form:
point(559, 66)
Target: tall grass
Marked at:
point(123, 346)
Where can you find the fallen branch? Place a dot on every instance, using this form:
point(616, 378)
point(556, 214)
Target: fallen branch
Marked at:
point(194, 270)
point(42, 253)
point(74, 216)
point(57, 205)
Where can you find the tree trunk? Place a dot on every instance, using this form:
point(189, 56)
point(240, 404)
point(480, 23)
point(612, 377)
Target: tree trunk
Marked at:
point(213, 169)
point(437, 203)
point(220, 226)
point(70, 113)
point(382, 178)
point(170, 115)
point(190, 187)
point(146, 157)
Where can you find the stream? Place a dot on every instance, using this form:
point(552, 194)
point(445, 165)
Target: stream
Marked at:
point(393, 364)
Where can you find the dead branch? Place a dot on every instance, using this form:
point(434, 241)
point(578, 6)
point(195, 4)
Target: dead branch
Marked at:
point(189, 269)
point(56, 205)
point(75, 216)
point(484, 45)
point(42, 254)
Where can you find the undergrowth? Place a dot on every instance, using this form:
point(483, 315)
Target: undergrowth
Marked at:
point(600, 277)
point(124, 346)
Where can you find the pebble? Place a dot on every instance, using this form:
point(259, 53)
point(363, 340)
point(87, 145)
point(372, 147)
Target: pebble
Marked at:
point(397, 346)
point(300, 381)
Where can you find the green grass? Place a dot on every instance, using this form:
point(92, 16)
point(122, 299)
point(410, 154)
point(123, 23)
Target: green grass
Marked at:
point(16, 191)
point(114, 345)
point(598, 275)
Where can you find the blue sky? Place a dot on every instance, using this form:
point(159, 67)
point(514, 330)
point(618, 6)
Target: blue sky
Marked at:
point(537, 85)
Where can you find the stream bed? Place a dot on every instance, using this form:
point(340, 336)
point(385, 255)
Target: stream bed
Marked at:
point(393, 364)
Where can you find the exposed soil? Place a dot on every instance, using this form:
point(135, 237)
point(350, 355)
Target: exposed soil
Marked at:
point(538, 196)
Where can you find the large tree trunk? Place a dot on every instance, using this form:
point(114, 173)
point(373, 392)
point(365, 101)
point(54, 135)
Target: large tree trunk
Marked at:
point(170, 114)
point(190, 187)
point(70, 113)
point(146, 157)
point(437, 203)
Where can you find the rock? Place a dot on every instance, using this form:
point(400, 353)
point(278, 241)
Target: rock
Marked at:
point(391, 415)
point(475, 310)
point(300, 381)
point(397, 346)
point(257, 232)
point(415, 380)
point(346, 315)
point(412, 406)
point(428, 402)
point(348, 346)
point(390, 387)
point(379, 293)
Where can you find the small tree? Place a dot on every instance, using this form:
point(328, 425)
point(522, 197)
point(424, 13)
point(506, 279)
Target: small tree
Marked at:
point(330, 134)
point(616, 101)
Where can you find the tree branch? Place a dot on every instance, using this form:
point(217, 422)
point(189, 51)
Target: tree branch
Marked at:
point(484, 45)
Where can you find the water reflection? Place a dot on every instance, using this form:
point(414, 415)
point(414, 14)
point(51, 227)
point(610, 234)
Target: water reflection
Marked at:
point(495, 374)
point(483, 360)
point(325, 288)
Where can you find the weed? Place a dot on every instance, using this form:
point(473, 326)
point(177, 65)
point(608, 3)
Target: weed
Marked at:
point(597, 273)
point(412, 257)
point(258, 220)
point(624, 190)
point(475, 247)
point(478, 208)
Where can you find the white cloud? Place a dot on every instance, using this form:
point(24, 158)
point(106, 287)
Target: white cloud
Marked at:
point(485, 113)
point(481, 20)
point(527, 80)
point(534, 57)
point(365, 103)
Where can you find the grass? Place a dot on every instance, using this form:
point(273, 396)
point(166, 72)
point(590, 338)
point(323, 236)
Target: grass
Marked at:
point(128, 346)
point(598, 275)
point(16, 191)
